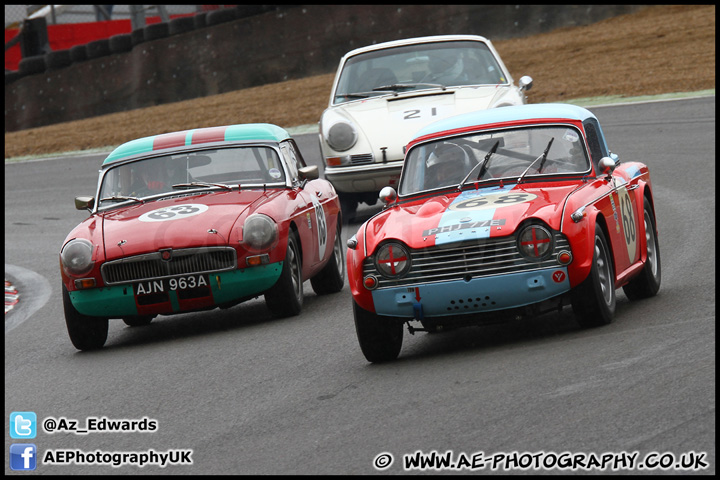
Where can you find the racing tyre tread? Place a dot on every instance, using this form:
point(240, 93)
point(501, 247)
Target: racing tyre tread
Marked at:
point(593, 301)
point(285, 298)
point(86, 333)
point(647, 283)
point(380, 337)
point(331, 278)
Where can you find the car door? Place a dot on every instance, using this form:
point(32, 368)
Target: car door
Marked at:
point(618, 205)
point(312, 216)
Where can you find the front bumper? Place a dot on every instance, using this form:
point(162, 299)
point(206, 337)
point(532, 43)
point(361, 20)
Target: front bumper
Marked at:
point(478, 295)
point(364, 178)
point(225, 288)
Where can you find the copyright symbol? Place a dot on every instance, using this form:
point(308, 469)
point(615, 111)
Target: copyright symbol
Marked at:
point(49, 425)
point(383, 461)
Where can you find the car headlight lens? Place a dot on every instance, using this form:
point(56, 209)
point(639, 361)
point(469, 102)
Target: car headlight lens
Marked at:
point(341, 136)
point(392, 260)
point(76, 256)
point(260, 232)
point(535, 242)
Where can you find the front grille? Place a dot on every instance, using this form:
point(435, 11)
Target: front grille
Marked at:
point(361, 159)
point(467, 260)
point(183, 262)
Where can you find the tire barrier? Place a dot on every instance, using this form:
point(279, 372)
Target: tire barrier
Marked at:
point(58, 59)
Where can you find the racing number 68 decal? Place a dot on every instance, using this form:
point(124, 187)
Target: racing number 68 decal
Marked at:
point(495, 200)
point(629, 223)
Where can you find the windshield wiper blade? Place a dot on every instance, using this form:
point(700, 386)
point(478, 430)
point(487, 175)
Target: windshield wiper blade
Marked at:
point(542, 156)
point(121, 198)
point(398, 86)
point(202, 184)
point(482, 166)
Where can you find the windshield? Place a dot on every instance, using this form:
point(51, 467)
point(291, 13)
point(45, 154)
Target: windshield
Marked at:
point(511, 153)
point(218, 168)
point(416, 67)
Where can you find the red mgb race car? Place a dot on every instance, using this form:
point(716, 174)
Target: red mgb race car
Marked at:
point(200, 219)
point(507, 212)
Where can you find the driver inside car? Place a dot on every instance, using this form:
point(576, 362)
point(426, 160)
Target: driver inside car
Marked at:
point(447, 166)
point(147, 178)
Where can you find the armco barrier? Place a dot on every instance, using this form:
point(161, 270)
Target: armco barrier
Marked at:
point(223, 53)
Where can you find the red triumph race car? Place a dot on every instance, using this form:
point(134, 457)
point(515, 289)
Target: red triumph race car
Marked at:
point(200, 219)
point(503, 213)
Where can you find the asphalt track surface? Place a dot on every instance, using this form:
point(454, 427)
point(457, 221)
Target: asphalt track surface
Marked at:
point(249, 394)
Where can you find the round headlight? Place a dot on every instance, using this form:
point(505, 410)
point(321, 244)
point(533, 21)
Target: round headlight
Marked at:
point(76, 256)
point(341, 136)
point(392, 260)
point(260, 232)
point(535, 242)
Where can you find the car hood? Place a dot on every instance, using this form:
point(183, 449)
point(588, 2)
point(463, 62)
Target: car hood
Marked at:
point(473, 214)
point(189, 221)
point(392, 121)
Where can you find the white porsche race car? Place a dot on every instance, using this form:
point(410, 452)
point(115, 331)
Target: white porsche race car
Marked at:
point(382, 94)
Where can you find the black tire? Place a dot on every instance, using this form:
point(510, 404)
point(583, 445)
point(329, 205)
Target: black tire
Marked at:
point(331, 279)
point(138, 320)
point(32, 65)
point(593, 301)
point(200, 20)
point(78, 53)
point(137, 36)
point(121, 43)
point(348, 205)
point(380, 337)
point(285, 298)
point(181, 25)
point(155, 31)
point(58, 59)
point(10, 77)
point(86, 333)
point(98, 48)
point(647, 283)
point(216, 17)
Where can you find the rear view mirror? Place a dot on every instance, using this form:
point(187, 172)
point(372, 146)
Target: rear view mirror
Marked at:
point(309, 173)
point(84, 203)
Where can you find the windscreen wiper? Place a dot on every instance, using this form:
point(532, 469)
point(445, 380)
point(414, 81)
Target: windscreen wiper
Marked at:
point(201, 184)
point(542, 157)
point(482, 166)
point(121, 198)
point(398, 86)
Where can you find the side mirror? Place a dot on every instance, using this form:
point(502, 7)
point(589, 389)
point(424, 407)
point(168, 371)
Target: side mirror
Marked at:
point(607, 165)
point(525, 83)
point(309, 173)
point(84, 203)
point(388, 195)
